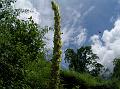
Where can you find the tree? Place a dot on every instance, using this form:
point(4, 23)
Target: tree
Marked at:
point(84, 60)
point(116, 70)
point(20, 43)
point(55, 66)
point(6, 8)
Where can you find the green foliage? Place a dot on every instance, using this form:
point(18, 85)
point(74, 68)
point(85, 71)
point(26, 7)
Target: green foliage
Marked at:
point(37, 74)
point(6, 8)
point(21, 42)
point(82, 60)
point(116, 70)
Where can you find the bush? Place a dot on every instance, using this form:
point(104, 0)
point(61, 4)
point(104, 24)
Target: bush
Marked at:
point(75, 80)
point(37, 74)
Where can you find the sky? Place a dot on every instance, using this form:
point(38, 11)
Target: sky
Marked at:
point(83, 22)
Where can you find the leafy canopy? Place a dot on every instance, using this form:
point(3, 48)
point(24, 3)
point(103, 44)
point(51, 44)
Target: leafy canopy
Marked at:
point(21, 42)
point(84, 60)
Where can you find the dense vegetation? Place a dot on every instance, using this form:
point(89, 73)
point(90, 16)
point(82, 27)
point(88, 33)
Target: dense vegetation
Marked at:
point(23, 63)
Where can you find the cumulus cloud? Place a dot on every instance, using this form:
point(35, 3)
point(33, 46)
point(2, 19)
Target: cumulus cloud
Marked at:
point(107, 47)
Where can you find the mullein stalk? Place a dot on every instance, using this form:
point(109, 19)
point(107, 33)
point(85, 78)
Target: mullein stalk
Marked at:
point(55, 67)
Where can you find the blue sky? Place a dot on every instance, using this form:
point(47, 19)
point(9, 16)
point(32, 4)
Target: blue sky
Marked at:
point(93, 22)
point(96, 15)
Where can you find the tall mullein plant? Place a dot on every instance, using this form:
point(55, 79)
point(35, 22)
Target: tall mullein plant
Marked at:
point(55, 67)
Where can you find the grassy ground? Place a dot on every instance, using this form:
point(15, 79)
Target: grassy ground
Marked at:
point(74, 80)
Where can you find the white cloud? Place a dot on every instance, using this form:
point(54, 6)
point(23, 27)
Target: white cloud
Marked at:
point(45, 11)
point(40, 11)
point(49, 39)
point(108, 46)
point(72, 36)
point(88, 11)
point(26, 4)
